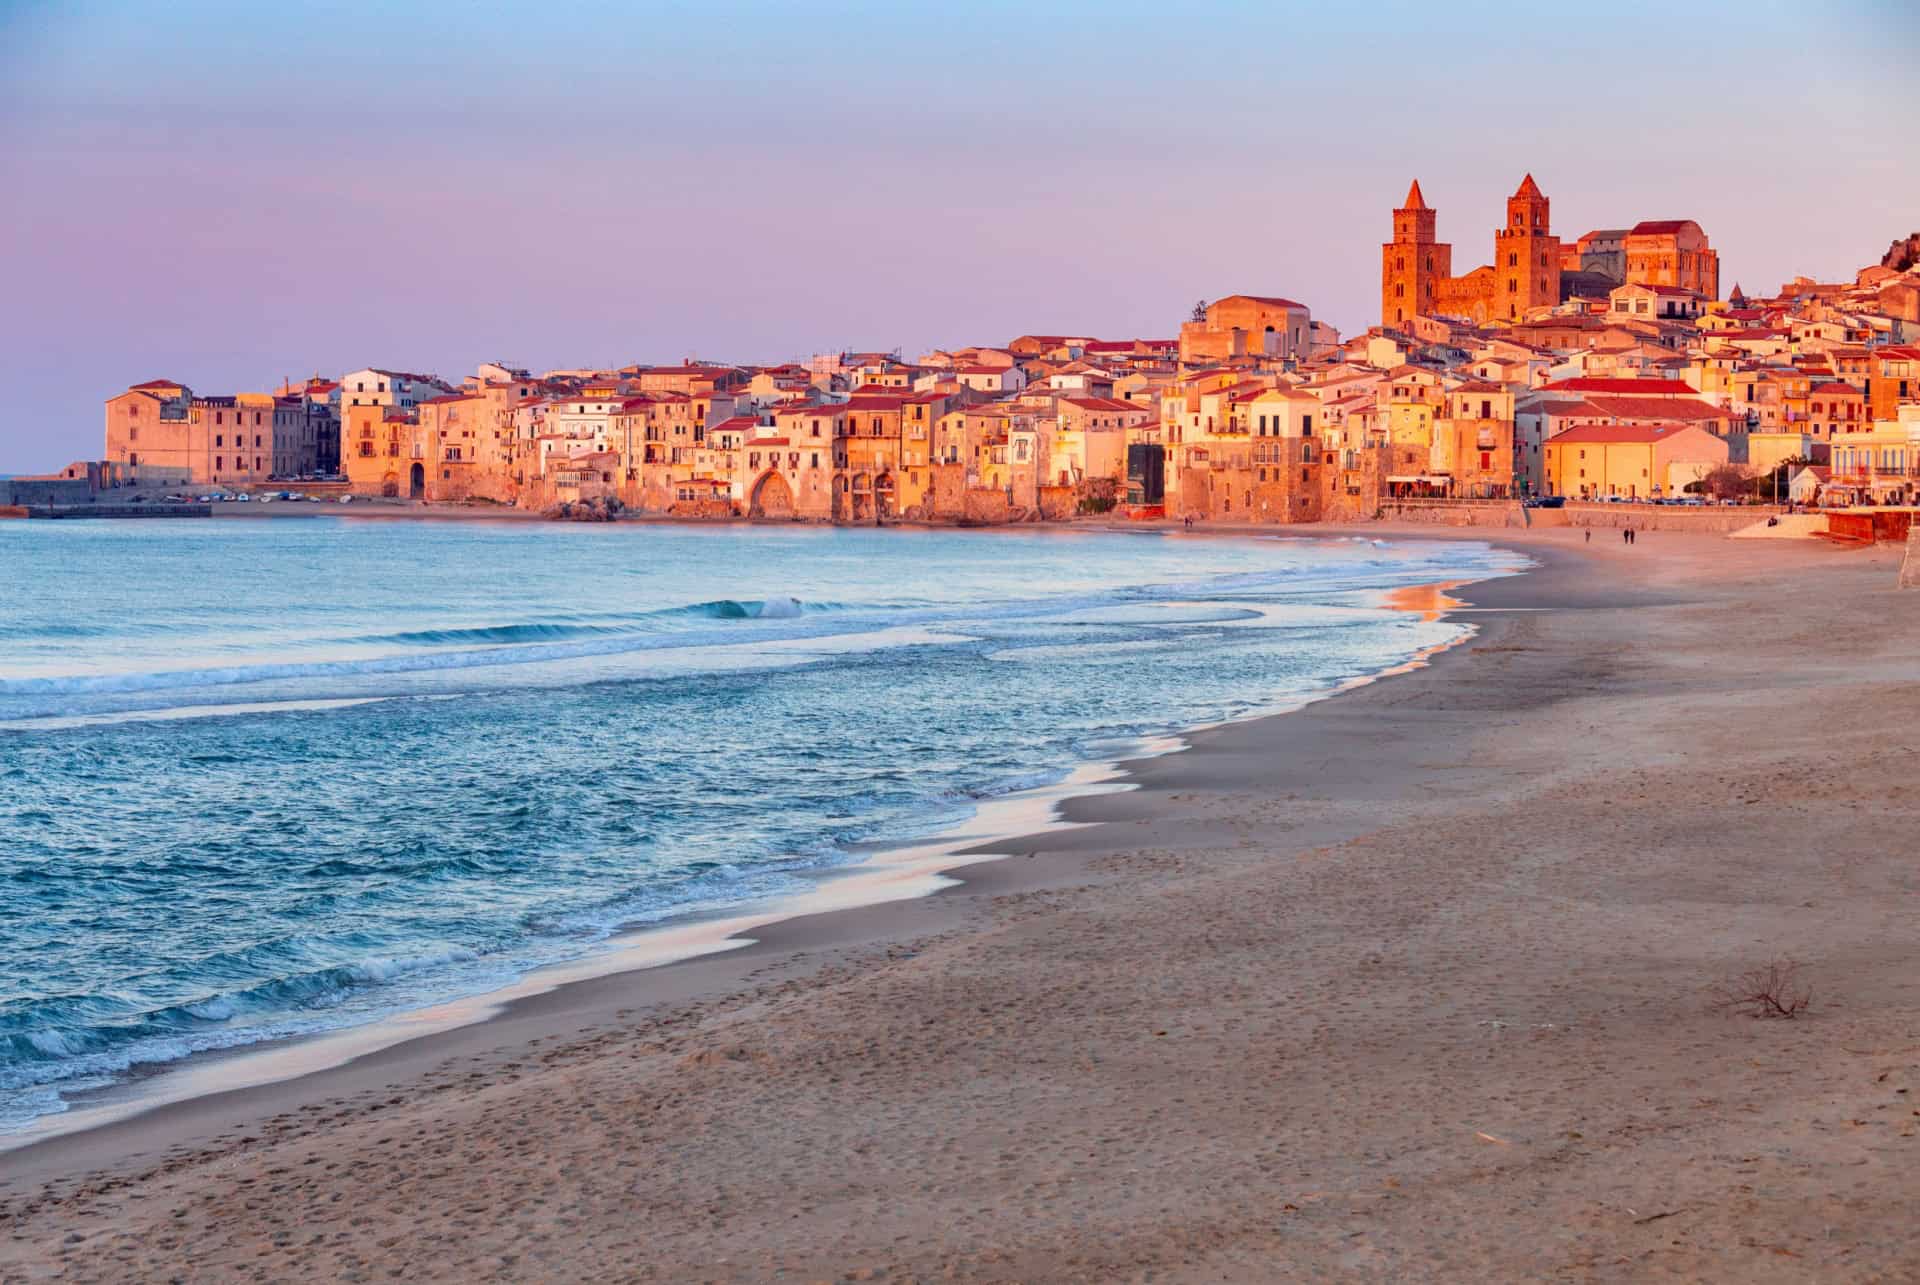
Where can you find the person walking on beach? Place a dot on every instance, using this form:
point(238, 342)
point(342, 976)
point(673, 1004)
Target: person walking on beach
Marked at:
point(1589, 535)
point(1626, 535)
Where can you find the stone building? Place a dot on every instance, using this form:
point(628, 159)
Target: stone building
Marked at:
point(1416, 267)
point(1245, 325)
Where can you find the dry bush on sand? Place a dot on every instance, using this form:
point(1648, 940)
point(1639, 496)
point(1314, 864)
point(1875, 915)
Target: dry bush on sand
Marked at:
point(1774, 990)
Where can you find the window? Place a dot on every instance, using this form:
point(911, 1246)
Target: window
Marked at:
point(219, 463)
point(133, 435)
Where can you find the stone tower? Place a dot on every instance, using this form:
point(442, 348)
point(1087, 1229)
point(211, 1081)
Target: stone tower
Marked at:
point(1413, 262)
point(1526, 257)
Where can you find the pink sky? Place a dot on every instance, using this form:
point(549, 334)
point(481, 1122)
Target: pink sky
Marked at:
point(235, 195)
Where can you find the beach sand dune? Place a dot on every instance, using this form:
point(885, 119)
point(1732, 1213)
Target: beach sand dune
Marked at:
point(1412, 984)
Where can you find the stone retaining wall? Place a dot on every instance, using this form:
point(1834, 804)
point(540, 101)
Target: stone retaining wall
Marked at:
point(1644, 517)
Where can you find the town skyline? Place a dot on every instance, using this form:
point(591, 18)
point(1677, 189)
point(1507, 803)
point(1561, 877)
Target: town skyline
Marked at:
point(1088, 202)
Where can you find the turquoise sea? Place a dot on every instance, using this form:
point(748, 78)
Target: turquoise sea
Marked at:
point(261, 778)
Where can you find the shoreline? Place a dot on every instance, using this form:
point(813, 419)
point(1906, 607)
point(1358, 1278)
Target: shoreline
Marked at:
point(887, 871)
point(1403, 983)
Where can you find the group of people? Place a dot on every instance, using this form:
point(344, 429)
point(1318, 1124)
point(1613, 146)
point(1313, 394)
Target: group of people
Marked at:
point(1627, 535)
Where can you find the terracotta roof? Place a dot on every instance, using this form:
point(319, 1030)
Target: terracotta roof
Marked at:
point(1266, 299)
point(1619, 433)
point(1656, 408)
point(157, 383)
point(1659, 227)
point(1623, 387)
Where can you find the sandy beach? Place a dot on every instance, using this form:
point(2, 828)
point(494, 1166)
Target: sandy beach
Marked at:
point(1410, 984)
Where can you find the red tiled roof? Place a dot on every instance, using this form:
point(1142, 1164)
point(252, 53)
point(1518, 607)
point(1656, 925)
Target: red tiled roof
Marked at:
point(1270, 300)
point(157, 383)
point(1624, 387)
point(1619, 433)
point(1656, 408)
point(1659, 227)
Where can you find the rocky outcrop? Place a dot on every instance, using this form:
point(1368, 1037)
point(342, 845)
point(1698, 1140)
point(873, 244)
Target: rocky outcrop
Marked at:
point(1902, 254)
point(599, 509)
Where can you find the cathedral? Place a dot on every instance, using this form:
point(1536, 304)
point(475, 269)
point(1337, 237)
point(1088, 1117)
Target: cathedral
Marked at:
point(1531, 268)
point(1416, 271)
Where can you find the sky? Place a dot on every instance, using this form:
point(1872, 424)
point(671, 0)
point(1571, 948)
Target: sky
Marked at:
point(228, 194)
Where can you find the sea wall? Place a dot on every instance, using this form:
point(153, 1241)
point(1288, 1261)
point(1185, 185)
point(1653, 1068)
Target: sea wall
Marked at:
point(1490, 513)
point(1643, 517)
point(46, 490)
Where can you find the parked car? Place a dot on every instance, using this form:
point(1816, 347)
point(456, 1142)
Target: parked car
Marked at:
point(346, 499)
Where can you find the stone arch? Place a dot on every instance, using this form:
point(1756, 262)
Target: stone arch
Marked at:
point(883, 495)
point(770, 497)
point(390, 485)
point(417, 481)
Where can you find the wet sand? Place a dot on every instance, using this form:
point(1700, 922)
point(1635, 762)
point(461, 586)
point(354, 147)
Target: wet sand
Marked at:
point(1408, 984)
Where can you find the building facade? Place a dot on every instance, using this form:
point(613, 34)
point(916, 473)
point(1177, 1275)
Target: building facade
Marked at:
point(1416, 267)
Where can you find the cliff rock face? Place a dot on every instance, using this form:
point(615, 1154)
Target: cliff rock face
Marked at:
point(1902, 254)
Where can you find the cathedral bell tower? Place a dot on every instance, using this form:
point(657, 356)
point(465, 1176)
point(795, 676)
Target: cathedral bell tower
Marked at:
point(1412, 262)
point(1526, 257)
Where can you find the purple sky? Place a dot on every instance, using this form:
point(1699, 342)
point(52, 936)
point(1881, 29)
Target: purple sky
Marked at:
point(227, 194)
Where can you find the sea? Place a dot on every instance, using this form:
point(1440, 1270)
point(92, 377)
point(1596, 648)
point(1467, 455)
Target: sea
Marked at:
point(264, 778)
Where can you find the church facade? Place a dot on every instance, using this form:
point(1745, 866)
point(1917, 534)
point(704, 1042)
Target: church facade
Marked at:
point(1416, 268)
